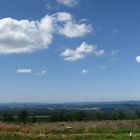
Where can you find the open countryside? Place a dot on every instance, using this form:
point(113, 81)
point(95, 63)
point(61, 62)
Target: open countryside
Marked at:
point(69, 69)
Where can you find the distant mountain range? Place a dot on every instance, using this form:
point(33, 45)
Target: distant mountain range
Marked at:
point(120, 105)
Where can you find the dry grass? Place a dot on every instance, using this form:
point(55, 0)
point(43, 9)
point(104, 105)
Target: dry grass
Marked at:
point(99, 130)
point(71, 127)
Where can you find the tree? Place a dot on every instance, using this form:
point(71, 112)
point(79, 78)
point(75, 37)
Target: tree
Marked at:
point(33, 119)
point(98, 116)
point(118, 115)
point(114, 115)
point(79, 116)
point(22, 117)
point(121, 116)
point(7, 118)
point(137, 114)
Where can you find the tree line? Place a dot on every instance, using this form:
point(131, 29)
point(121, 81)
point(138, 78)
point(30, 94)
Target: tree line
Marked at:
point(65, 115)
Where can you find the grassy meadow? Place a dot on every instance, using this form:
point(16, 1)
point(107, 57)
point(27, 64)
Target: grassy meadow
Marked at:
point(100, 130)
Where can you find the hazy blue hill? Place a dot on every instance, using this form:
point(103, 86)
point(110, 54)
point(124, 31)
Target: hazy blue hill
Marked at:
point(76, 105)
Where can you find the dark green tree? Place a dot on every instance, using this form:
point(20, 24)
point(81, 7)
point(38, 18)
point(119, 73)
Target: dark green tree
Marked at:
point(79, 116)
point(22, 117)
point(7, 118)
point(137, 114)
point(114, 116)
point(98, 116)
point(33, 119)
point(121, 116)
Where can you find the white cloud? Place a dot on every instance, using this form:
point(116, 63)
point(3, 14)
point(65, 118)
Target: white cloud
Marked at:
point(24, 36)
point(63, 17)
point(72, 29)
point(80, 52)
point(84, 71)
point(99, 52)
point(43, 72)
point(138, 59)
point(69, 27)
point(24, 70)
point(69, 3)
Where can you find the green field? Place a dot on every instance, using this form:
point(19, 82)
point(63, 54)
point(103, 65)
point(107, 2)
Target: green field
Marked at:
point(101, 130)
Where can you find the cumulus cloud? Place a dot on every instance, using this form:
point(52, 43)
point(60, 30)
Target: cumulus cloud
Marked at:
point(84, 71)
point(24, 70)
point(69, 3)
point(72, 30)
point(80, 52)
point(138, 59)
point(62, 17)
point(24, 36)
point(20, 36)
point(69, 27)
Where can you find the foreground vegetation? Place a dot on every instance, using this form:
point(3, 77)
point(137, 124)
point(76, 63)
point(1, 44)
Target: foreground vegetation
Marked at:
point(99, 130)
point(70, 122)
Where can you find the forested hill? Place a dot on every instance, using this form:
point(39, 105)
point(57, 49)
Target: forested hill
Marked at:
point(70, 111)
point(104, 106)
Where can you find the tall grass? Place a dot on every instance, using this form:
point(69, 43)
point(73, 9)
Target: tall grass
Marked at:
point(100, 130)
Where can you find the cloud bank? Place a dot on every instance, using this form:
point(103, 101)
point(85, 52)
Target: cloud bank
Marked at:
point(24, 36)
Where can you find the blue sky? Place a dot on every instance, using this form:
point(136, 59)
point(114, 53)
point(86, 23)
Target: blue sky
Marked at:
point(69, 50)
